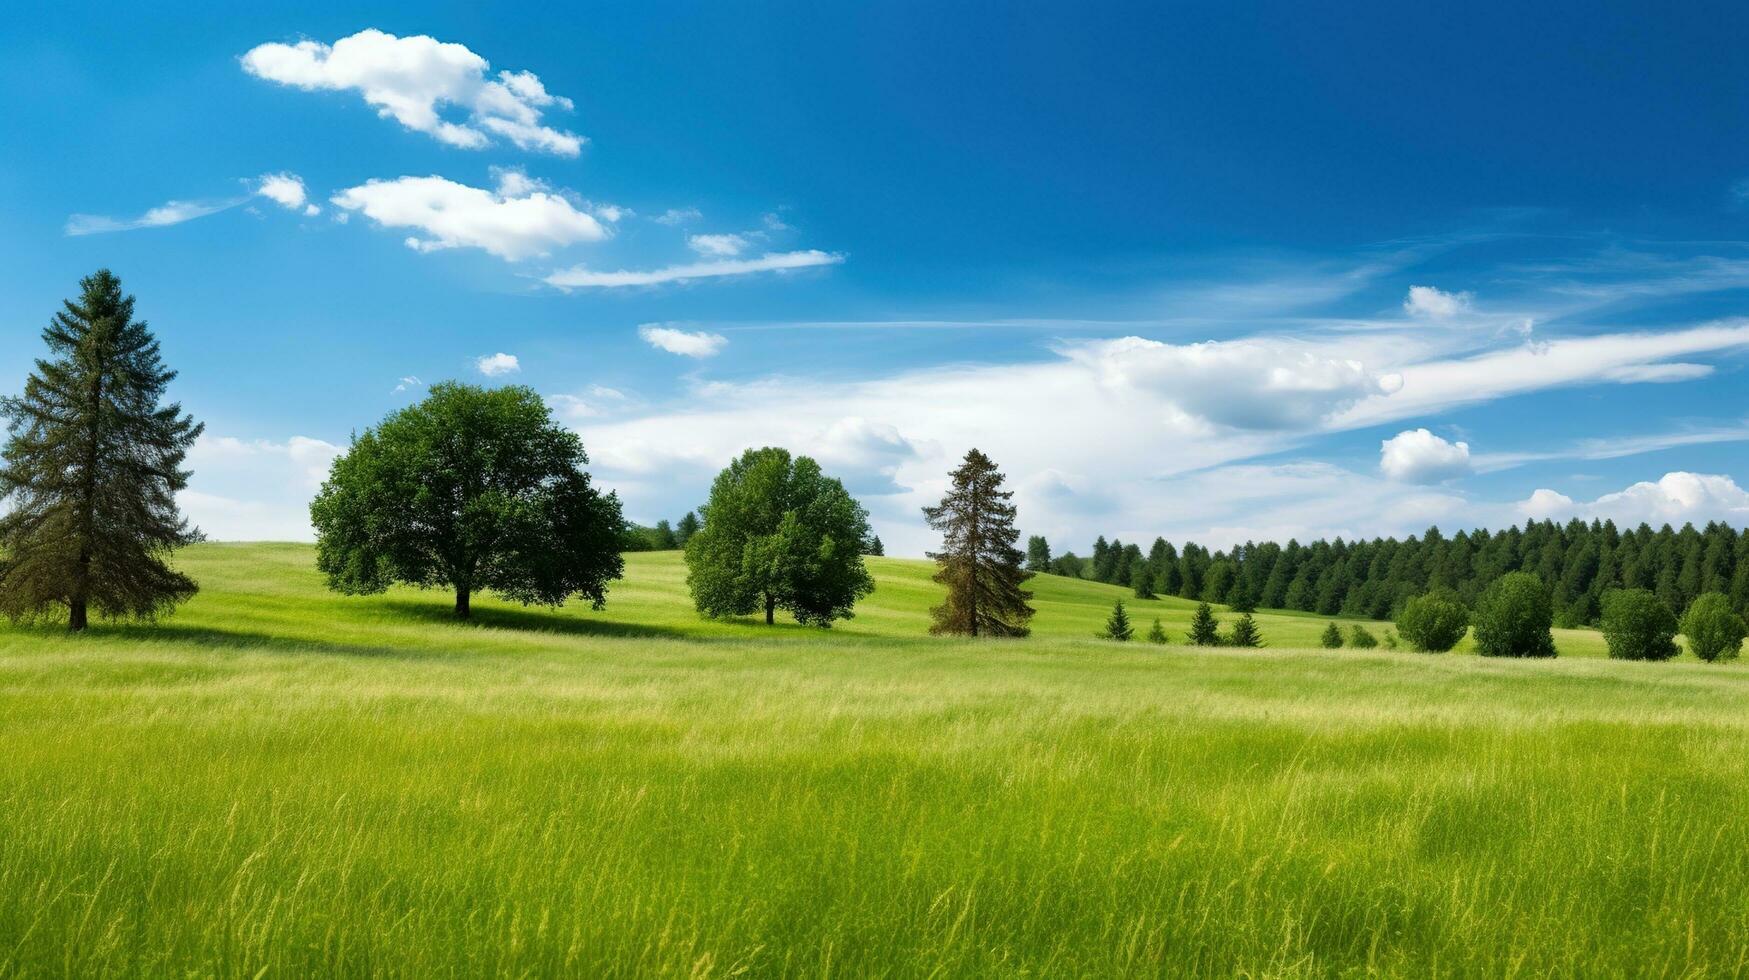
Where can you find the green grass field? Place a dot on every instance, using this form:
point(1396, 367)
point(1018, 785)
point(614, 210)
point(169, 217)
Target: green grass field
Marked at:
point(281, 782)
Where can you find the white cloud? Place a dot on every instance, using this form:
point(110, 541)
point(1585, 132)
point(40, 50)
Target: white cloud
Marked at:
point(1419, 456)
point(1675, 499)
point(516, 221)
point(285, 189)
point(408, 383)
point(1433, 302)
point(717, 245)
point(1244, 384)
point(255, 489)
point(579, 277)
point(498, 365)
point(1657, 373)
point(164, 215)
point(596, 401)
point(682, 342)
point(410, 79)
point(865, 455)
point(677, 216)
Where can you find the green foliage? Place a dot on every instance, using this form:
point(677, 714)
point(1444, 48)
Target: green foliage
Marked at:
point(779, 534)
point(1141, 581)
point(1712, 630)
point(874, 548)
point(1391, 640)
point(1243, 600)
point(1360, 639)
point(1205, 629)
point(688, 527)
point(91, 471)
point(1434, 622)
point(1157, 633)
point(1637, 625)
point(1331, 638)
point(1513, 617)
point(978, 561)
point(1244, 634)
point(1038, 554)
point(472, 489)
point(1118, 627)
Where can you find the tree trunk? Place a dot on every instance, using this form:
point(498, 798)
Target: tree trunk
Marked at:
point(462, 595)
point(770, 610)
point(76, 615)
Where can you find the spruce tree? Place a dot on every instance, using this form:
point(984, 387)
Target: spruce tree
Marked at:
point(1117, 626)
point(1205, 629)
point(1141, 581)
point(1157, 633)
point(687, 527)
point(874, 548)
point(90, 473)
point(1332, 637)
point(1245, 633)
point(978, 561)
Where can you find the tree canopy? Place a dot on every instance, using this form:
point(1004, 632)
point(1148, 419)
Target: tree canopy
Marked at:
point(91, 470)
point(1637, 625)
point(1434, 622)
point(978, 561)
point(777, 533)
point(470, 489)
point(1513, 617)
point(1712, 630)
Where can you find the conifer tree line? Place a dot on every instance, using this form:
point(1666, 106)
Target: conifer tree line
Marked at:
point(1579, 563)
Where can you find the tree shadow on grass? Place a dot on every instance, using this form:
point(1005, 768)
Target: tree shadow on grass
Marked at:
point(532, 619)
point(234, 639)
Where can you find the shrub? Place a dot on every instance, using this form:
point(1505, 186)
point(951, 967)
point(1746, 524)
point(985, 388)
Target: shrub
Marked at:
point(1204, 627)
point(1713, 631)
point(1513, 616)
point(1244, 633)
point(1435, 622)
point(1157, 633)
point(1390, 639)
point(1118, 626)
point(1332, 638)
point(1637, 625)
point(1360, 639)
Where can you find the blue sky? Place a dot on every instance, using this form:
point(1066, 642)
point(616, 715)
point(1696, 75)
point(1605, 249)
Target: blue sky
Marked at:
point(1200, 270)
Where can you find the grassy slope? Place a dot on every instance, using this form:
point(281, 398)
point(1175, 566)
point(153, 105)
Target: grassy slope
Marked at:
point(282, 779)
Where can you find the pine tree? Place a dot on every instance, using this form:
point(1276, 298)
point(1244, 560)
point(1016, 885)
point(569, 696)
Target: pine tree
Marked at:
point(874, 548)
point(1332, 638)
point(1157, 633)
point(1205, 629)
point(978, 561)
point(1117, 627)
point(1360, 639)
point(1141, 581)
point(1245, 633)
point(91, 470)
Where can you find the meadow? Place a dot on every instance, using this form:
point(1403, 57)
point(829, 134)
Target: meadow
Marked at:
point(278, 781)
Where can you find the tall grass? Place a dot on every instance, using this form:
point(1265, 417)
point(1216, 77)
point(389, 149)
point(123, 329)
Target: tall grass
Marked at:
point(281, 782)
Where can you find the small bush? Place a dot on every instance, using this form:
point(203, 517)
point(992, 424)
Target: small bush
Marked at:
point(1204, 627)
point(1332, 638)
point(1513, 616)
point(1713, 631)
point(1391, 639)
point(1157, 633)
point(1360, 639)
point(1435, 622)
point(1118, 626)
point(1244, 633)
point(1637, 625)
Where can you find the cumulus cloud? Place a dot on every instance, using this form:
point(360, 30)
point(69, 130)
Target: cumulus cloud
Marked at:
point(283, 189)
point(1430, 301)
point(1676, 498)
point(580, 277)
point(864, 454)
point(497, 365)
point(413, 79)
point(1419, 456)
point(685, 343)
point(517, 220)
point(717, 245)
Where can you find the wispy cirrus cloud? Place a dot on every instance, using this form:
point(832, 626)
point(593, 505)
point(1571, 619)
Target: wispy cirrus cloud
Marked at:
point(285, 189)
point(582, 277)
